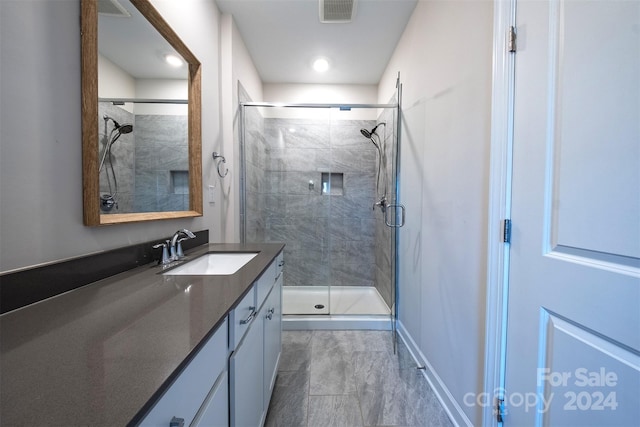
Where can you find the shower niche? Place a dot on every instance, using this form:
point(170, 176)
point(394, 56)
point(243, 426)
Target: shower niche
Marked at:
point(332, 184)
point(309, 181)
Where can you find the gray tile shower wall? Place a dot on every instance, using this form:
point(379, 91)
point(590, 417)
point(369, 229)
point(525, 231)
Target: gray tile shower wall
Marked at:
point(330, 238)
point(162, 155)
point(384, 234)
point(256, 182)
point(144, 160)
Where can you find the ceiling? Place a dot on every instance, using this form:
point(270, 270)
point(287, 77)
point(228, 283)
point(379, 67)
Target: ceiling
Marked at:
point(285, 36)
point(127, 39)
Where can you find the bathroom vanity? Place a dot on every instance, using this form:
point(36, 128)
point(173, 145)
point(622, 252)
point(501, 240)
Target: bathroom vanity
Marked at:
point(147, 348)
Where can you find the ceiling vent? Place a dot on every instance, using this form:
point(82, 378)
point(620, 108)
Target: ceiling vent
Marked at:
point(112, 8)
point(337, 11)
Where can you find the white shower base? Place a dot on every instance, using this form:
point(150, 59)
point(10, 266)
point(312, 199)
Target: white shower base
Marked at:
point(345, 307)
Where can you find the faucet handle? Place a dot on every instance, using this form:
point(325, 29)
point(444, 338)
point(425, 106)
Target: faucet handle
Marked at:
point(165, 252)
point(179, 250)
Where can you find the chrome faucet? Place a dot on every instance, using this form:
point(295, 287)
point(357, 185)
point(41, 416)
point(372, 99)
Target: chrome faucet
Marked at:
point(176, 243)
point(166, 259)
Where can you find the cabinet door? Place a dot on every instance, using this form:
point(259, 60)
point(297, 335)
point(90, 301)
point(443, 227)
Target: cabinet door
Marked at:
point(185, 396)
point(272, 338)
point(246, 376)
point(215, 409)
point(241, 317)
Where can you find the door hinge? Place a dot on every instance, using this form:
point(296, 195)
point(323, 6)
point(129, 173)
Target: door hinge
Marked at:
point(500, 410)
point(506, 231)
point(511, 43)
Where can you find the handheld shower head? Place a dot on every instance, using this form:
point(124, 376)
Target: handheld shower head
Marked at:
point(366, 133)
point(127, 128)
point(369, 133)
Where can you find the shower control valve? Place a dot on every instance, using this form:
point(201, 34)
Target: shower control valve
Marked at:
point(382, 203)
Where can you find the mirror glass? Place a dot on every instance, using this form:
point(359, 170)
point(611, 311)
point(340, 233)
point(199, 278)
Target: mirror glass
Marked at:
point(141, 142)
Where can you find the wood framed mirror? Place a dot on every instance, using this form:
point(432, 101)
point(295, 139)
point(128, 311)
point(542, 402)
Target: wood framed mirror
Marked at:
point(100, 130)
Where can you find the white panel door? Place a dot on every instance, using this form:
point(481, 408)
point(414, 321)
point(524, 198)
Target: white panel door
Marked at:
point(573, 329)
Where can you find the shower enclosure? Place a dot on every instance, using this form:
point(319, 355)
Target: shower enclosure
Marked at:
point(144, 156)
point(322, 179)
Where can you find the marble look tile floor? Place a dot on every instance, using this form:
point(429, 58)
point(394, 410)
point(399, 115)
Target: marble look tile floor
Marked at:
point(350, 378)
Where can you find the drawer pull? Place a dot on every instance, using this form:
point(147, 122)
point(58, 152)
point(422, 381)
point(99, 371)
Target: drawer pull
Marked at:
point(176, 422)
point(270, 313)
point(281, 263)
point(250, 317)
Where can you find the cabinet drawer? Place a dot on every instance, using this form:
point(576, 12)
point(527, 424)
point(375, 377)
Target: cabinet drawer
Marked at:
point(241, 317)
point(265, 283)
point(185, 396)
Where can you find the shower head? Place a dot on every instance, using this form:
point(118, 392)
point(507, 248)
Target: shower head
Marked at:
point(127, 128)
point(369, 133)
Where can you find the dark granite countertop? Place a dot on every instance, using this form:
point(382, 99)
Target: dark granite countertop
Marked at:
point(100, 355)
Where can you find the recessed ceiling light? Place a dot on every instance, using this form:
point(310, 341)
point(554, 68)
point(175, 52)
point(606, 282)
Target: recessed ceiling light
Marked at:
point(321, 65)
point(173, 60)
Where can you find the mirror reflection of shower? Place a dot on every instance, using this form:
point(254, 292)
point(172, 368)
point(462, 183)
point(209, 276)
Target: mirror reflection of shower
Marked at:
point(108, 200)
point(381, 175)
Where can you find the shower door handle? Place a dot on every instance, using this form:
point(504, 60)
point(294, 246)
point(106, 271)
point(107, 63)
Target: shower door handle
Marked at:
point(395, 208)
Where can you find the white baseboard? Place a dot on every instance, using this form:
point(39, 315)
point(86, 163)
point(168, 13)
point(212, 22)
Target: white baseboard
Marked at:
point(451, 407)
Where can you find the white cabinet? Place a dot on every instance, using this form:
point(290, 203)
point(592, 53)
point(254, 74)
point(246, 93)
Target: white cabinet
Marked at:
point(241, 318)
point(186, 395)
point(272, 338)
point(206, 393)
point(245, 365)
point(253, 365)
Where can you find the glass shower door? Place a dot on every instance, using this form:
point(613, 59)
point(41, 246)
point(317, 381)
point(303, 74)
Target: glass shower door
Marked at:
point(320, 180)
point(287, 154)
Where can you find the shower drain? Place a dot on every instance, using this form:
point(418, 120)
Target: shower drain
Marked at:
point(319, 306)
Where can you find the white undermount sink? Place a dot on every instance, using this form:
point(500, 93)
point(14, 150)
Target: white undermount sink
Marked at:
point(214, 264)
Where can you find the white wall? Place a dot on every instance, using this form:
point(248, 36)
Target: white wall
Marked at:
point(162, 89)
point(321, 93)
point(114, 82)
point(237, 66)
point(40, 131)
point(444, 59)
point(295, 93)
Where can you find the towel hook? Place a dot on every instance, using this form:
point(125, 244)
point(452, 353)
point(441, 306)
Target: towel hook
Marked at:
point(222, 160)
